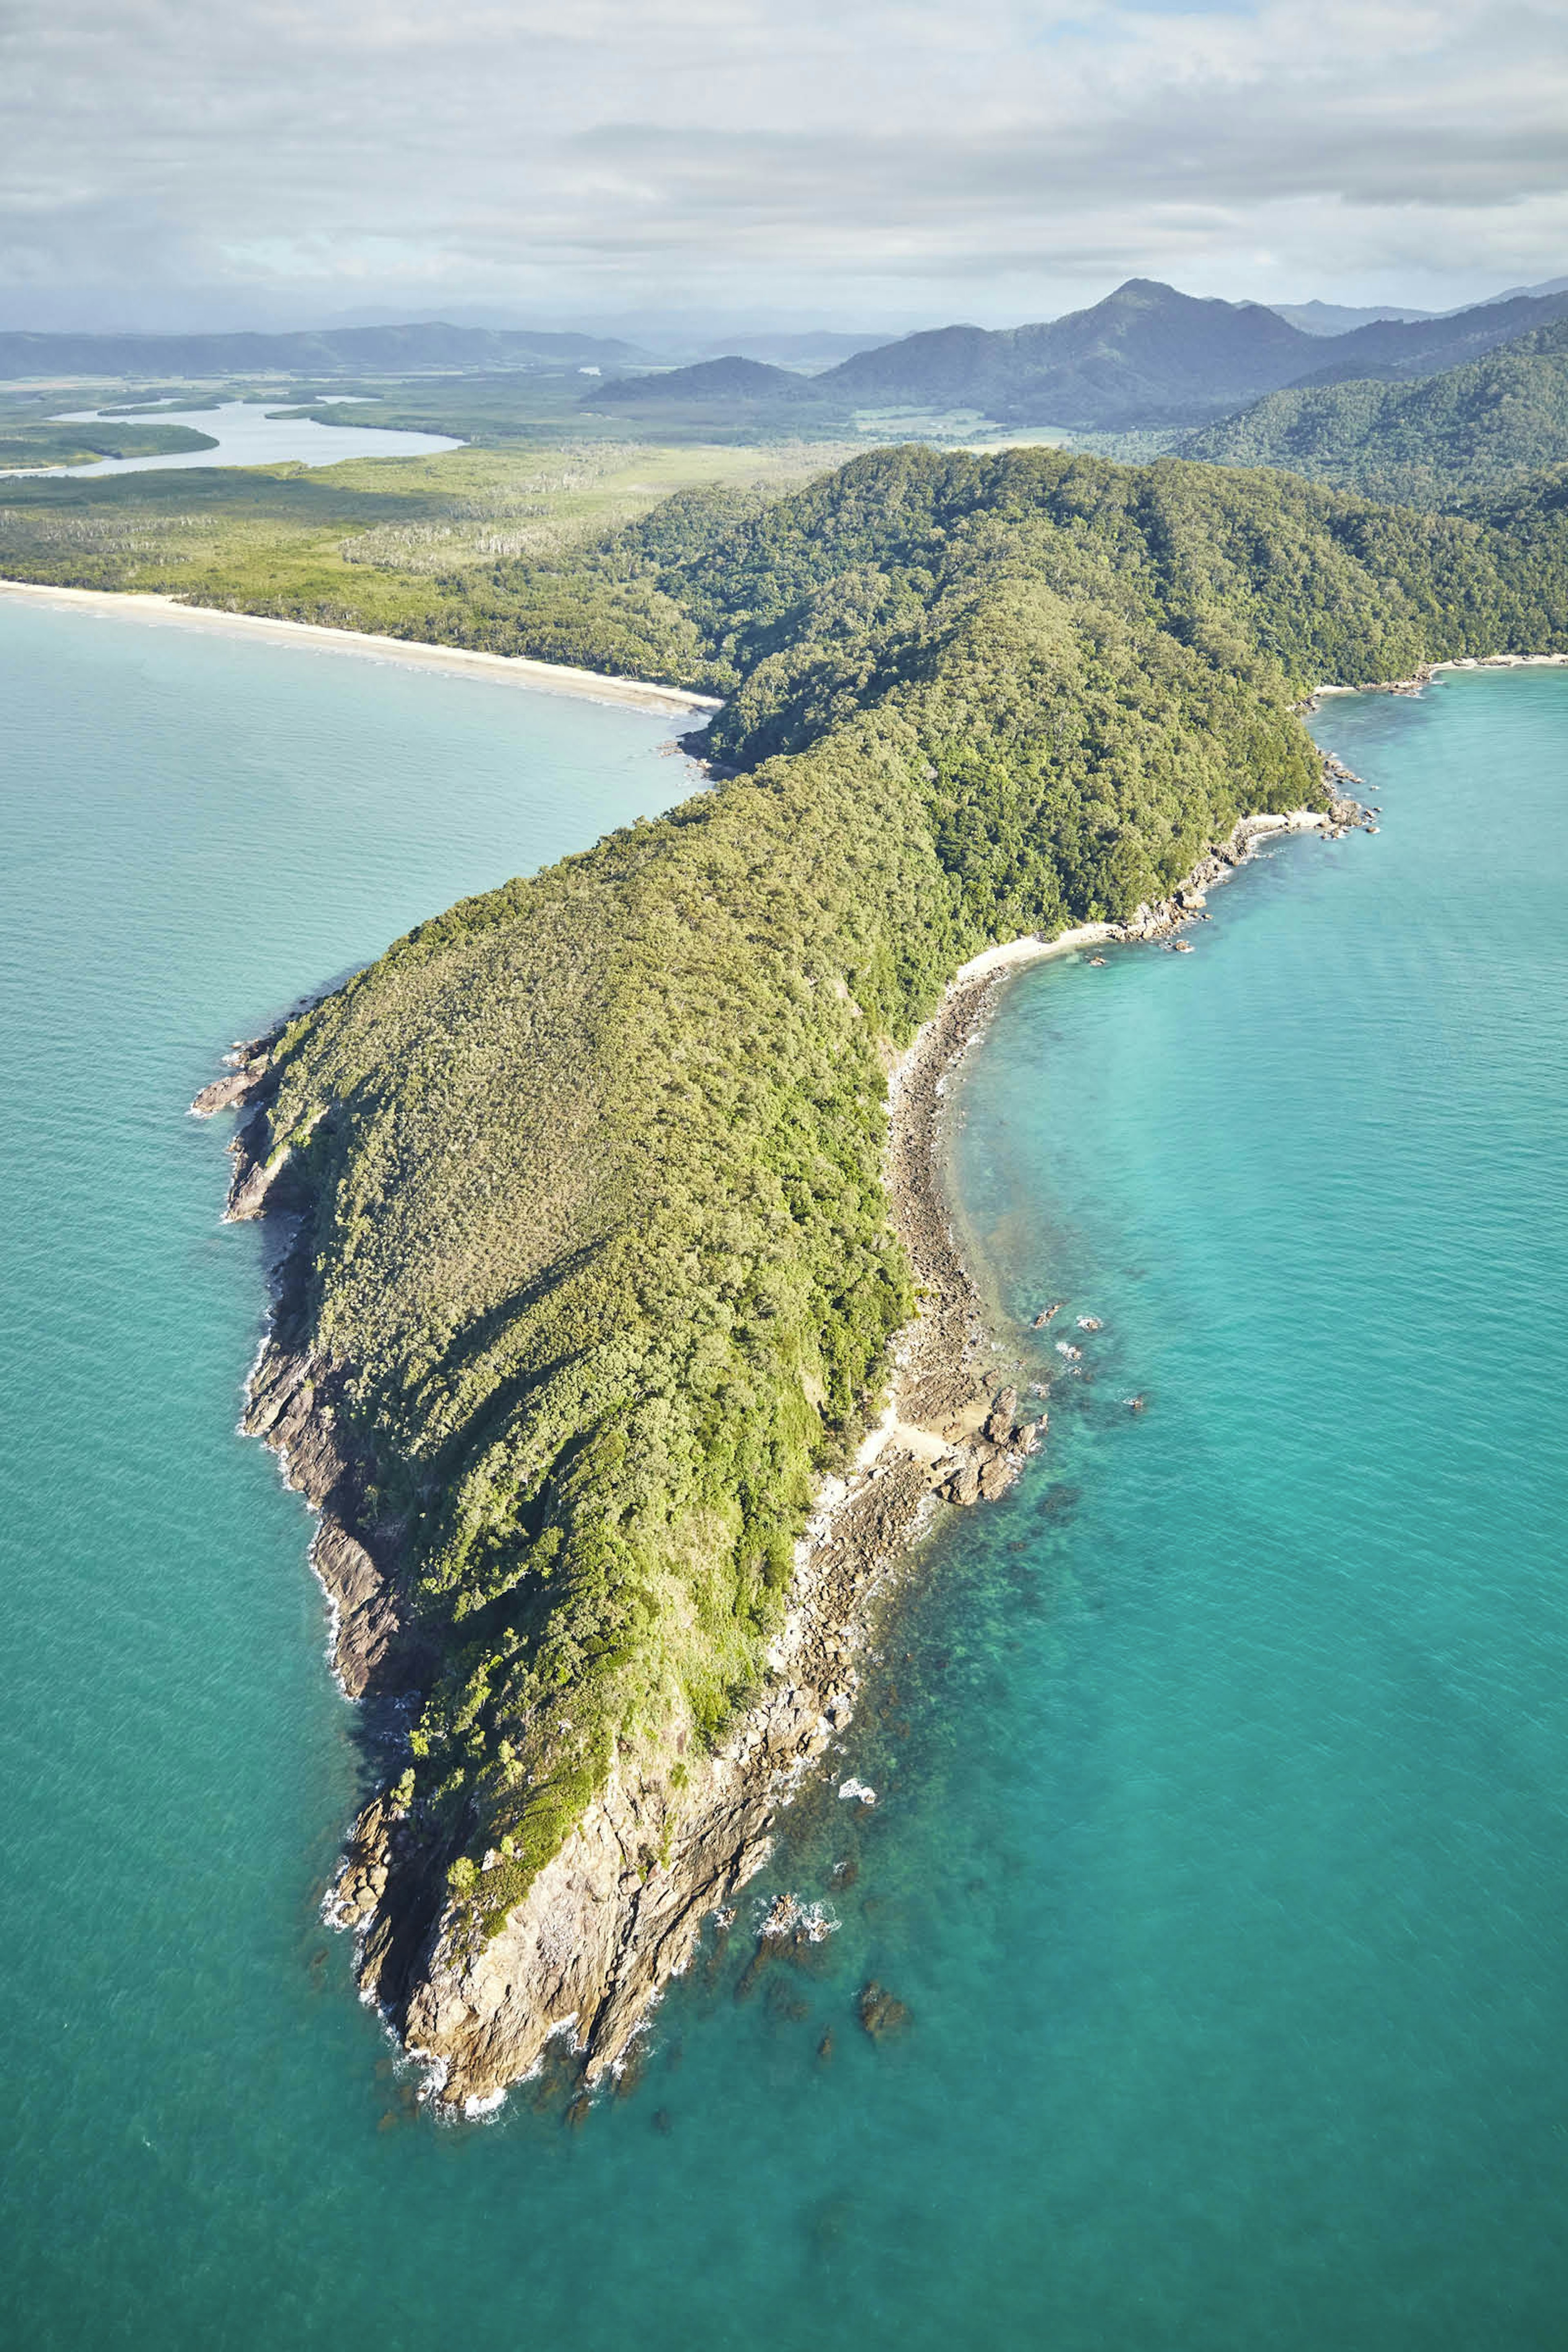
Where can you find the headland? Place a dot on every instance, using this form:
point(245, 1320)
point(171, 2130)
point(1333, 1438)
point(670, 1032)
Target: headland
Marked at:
point(620, 1911)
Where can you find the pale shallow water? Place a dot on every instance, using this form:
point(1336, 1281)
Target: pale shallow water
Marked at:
point(246, 435)
point(1218, 1852)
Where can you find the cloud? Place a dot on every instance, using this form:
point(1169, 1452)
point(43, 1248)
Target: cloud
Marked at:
point(990, 158)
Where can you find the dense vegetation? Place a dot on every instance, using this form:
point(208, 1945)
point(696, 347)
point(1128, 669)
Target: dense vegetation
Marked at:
point(599, 1240)
point(1470, 430)
point(78, 444)
point(451, 550)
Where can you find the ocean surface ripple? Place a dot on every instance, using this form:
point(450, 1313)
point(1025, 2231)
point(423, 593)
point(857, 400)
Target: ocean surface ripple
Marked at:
point(1217, 1858)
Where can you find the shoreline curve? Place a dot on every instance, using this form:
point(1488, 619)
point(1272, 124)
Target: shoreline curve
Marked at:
point(590, 1949)
point(411, 653)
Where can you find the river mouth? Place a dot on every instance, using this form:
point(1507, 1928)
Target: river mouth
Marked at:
point(246, 434)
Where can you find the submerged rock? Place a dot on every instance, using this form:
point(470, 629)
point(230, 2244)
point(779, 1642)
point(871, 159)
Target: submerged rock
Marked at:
point(785, 2006)
point(882, 2015)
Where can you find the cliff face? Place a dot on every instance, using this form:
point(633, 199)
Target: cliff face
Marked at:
point(291, 1407)
point(619, 1909)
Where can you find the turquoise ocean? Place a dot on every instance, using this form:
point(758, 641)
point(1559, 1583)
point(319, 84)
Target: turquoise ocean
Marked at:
point(1219, 1854)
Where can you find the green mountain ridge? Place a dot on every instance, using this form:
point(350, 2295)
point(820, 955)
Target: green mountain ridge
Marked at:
point(1393, 349)
point(597, 1246)
point(1432, 443)
point(1146, 357)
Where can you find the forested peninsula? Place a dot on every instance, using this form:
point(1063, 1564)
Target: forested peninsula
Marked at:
point(596, 1273)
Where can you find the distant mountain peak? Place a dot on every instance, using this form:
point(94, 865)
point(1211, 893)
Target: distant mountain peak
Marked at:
point(730, 378)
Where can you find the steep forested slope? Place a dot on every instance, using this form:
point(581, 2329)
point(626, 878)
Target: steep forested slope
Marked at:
point(1432, 443)
point(1145, 354)
point(600, 1273)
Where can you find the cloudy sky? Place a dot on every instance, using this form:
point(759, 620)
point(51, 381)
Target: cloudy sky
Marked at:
point(881, 163)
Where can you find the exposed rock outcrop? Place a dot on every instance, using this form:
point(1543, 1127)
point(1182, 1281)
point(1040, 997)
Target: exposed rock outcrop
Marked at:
point(250, 1061)
point(620, 1908)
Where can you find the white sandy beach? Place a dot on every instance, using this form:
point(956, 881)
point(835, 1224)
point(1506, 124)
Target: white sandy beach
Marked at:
point(546, 677)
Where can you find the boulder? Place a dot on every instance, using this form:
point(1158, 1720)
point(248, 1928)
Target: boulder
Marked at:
point(965, 1487)
point(880, 2014)
point(999, 1427)
point(223, 1093)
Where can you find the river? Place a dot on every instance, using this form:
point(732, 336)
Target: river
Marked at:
point(246, 434)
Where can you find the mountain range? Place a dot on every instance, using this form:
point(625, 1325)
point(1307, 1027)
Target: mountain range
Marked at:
point(336, 351)
point(1145, 356)
point(1420, 409)
point(1339, 318)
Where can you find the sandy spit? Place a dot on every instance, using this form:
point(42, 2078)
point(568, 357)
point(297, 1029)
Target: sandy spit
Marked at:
point(513, 669)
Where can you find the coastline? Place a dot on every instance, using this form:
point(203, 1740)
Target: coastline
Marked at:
point(515, 670)
point(1429, 670)
point(620, 1910)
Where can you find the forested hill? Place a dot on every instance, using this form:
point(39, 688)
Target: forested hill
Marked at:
point(1145, 356)
point(1146, 353)
point(1471, 430)
point(732, 382)
point(598, 1242)
point(1151, 355)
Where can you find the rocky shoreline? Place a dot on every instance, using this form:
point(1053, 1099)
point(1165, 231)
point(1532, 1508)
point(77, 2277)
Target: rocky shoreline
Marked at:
point(1429, 670)
point(620, 1910)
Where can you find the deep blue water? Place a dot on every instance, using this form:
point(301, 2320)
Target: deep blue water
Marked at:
point(1220, 1843)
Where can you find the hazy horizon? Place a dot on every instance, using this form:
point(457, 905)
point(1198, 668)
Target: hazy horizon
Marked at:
point(169, 169)
point(673, 328)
